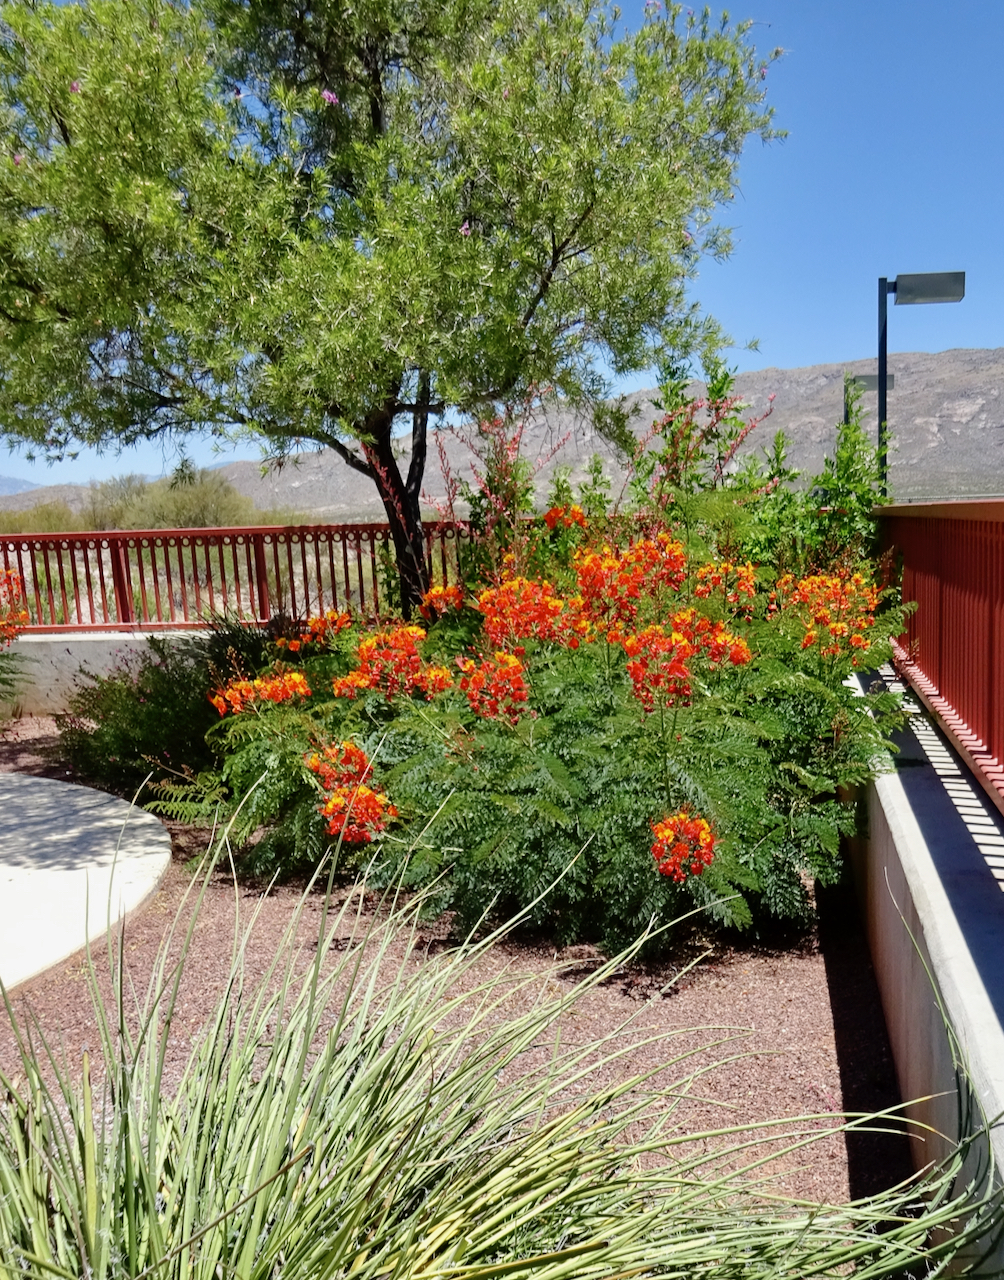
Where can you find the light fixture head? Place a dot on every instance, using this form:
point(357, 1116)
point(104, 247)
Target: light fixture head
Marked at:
point(930, 286)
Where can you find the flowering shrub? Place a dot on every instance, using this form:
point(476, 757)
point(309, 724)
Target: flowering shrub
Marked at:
point(835, 611)
point(14, 616)
point(495, 687)
point(531, 773)
point(238, 695)
point(353, 810)
point(684, 844)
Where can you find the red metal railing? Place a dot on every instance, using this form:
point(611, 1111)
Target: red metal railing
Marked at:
point(174, 578)
point(953, 649)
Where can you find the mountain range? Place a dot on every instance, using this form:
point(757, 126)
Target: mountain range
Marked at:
point(946, 420)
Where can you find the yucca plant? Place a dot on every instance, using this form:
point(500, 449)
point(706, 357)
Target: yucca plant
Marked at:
point(365, 1115)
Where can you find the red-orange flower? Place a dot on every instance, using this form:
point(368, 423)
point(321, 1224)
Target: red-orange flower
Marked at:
point(319, 631)
point(711, 638)
point(684, 844)
point(835, 609)
point(14, 616)
point(613, 587)
point(657, 665)
point(737, 582)
point(521, 609)
point(354, 810)
point(495, 687)
point(440, 600)
point(339, 764)
point(240, 694)
point(390, 660)
point(566, 516)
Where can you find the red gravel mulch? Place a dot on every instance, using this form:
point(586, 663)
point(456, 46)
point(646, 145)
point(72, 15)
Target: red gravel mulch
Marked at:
point(814, 1037)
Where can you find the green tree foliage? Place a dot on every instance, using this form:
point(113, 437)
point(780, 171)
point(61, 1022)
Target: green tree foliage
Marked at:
point(324, 225)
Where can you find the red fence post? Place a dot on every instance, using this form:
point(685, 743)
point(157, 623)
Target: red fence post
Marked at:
point(120, 581)
point(261, 580)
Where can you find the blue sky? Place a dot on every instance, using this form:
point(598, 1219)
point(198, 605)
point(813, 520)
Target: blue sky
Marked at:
point(894, 163)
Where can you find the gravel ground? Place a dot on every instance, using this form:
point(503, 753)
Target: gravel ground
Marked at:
point(813, 1038)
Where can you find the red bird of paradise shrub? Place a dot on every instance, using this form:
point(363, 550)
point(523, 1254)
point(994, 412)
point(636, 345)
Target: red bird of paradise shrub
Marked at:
point(390, 660)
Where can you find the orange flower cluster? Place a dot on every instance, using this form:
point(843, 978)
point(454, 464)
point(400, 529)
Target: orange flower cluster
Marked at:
point(438, 601)
point(521, 609)
point(836, 610)
point(389, 660)
point(240, 694)
point(495, 686)
point(711, 637)
point(354, 811)
point(683, 844)
point(339, 764)
point(612, 587)
point(737, 582)
point(657, 665)
point(319, 631)
point(657, 657)
point(14, 616)
point(566, 516)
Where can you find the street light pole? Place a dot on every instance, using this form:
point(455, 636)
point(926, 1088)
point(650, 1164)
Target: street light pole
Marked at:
point(935, 286)
point(883, 378)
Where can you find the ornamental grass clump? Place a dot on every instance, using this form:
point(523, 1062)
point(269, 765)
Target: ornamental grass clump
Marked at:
point(383, 1115)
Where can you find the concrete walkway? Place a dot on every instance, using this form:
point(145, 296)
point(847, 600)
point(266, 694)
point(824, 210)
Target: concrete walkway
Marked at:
point(71, 861)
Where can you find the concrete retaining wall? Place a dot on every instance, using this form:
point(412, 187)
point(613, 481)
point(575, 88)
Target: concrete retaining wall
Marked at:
point(50, 664)
point(935, 922)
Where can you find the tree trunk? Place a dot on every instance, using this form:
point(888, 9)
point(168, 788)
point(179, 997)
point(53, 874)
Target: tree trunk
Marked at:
point(401, 505)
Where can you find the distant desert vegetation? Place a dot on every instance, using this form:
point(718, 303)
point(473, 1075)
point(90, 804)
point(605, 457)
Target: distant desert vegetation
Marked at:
point(191, 499)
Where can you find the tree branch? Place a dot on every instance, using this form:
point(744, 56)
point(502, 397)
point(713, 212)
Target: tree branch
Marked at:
point(557, 254)
point(352, 459)
point(419, 437)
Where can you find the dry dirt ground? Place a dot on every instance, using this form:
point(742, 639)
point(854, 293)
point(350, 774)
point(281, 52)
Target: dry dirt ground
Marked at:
point(808, 1011)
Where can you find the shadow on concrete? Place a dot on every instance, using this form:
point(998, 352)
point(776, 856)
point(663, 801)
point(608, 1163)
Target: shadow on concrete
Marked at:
point(53, 826)
point(973, 892)
point(875, 1161)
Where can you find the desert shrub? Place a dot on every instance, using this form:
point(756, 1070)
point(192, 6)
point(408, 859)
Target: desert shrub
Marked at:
point(381, 1117)
point(44, 517)
point(189, 499)
point(530, 736)
point(149, 715)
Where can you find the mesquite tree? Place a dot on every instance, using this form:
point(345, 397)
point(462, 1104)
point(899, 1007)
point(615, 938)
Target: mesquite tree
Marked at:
point(324, 224)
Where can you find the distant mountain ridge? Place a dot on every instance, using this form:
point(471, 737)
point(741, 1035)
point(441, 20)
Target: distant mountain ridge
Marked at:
point(10, 485)
point(946, 420)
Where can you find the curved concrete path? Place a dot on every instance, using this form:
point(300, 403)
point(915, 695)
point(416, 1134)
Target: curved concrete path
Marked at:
point(71, 860)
